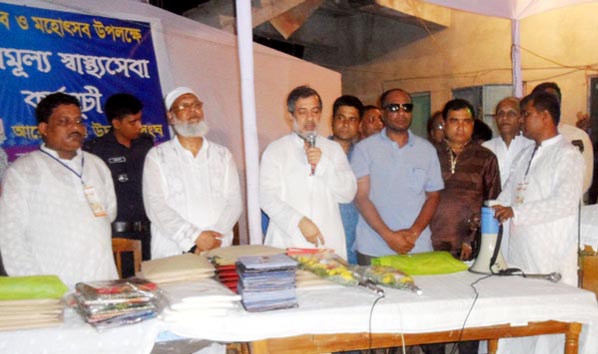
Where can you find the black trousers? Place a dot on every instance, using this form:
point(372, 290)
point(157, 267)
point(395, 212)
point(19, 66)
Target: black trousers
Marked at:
point(2, 270)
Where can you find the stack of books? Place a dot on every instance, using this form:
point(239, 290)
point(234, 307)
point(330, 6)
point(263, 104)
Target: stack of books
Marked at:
point(31, 302)
point(227, 275)
point(225, 261)
point(184, 267)
point(114, 303)
point(267, 282)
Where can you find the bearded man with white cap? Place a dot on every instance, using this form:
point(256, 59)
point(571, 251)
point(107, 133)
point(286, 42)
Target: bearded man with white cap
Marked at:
point(191, 189)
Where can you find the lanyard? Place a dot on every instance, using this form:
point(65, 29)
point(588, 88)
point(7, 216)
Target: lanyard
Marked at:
point(530, 163)
point(80, 175)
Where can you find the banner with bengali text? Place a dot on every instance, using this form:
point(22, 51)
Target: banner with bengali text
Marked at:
point(90, 57)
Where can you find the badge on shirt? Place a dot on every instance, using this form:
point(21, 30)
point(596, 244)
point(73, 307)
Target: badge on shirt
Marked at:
point(118, 159)
point(94, 202)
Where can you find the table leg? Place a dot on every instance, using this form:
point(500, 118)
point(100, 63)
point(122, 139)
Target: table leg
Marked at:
point(258, 347)
point(572, 338)
point(492, 346)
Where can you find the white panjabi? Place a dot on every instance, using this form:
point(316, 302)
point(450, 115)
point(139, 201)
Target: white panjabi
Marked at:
point(185, 195)
point(46, 223)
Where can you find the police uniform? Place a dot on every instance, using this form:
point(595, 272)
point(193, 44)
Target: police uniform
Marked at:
point(126, 166)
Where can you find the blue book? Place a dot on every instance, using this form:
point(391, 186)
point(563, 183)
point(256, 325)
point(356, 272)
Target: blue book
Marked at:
point(265, 263)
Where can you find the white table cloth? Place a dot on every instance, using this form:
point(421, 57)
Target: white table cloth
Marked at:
point(77, 337)
point(589, 226)
point(443, 305)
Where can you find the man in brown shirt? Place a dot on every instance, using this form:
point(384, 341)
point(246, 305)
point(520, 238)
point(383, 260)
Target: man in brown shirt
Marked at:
point(471, 176)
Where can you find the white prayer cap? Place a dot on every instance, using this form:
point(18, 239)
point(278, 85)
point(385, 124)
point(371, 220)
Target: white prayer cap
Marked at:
point(176, 93)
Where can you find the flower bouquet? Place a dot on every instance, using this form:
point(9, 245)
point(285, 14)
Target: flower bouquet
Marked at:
point(389, 277)
point(327, 265)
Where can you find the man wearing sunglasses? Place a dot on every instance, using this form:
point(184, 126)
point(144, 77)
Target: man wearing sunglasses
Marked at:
point(398, 184)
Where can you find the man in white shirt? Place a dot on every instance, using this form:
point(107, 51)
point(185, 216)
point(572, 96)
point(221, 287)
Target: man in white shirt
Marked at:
point(191, 189)
point(510, 142)
point(506, 146)
point(573, 134)
point(303, 178)
point(542, 194)
point(58, 202)
point(541, 199)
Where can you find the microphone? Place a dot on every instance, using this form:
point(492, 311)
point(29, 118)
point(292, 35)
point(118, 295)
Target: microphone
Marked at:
point(311, 142)
point(553, 277)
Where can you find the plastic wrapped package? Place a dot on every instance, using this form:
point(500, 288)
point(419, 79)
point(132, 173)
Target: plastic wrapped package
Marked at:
point(328, 265)
point(389, 277)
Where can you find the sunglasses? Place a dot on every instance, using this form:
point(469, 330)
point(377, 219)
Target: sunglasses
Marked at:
point(395, 107)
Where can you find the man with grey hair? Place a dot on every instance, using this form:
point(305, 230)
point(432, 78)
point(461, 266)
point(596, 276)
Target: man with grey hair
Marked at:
point(303, 178)
point(506, 146)
point(191, 189)
point(510, 142)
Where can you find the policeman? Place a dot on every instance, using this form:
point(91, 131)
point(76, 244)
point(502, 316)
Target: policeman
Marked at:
point(123, 149)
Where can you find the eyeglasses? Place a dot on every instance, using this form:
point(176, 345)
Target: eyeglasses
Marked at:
point(395, 107)
point(197, 106)
point(65, 122)
point(509, 114)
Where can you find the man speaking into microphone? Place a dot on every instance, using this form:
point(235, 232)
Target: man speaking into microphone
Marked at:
point(303, 178)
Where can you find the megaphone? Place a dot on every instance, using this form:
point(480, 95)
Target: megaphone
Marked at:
point(490, 259)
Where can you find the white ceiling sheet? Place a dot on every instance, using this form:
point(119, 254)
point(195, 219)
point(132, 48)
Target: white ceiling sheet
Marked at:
point(513, 9)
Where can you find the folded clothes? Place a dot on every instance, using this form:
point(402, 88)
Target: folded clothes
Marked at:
point(426, 263)
point(32, 287)
point(181, 267)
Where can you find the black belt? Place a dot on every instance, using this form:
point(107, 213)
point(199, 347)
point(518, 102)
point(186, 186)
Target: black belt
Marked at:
point(130, 226)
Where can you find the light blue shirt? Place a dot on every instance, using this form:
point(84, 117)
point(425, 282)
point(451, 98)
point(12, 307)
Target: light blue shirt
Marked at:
point(399, 180)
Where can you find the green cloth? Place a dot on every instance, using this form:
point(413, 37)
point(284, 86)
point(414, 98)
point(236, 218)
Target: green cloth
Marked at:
point(32, 287)
point(427, 263)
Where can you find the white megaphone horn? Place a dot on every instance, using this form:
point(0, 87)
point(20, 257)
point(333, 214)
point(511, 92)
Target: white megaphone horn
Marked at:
point(490, 259)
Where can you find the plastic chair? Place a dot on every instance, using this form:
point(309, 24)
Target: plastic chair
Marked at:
point(120, 245)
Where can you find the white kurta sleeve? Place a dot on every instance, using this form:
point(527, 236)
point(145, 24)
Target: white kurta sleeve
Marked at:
point(281, 213)
point(233, 206)
point(17, 255)
point(563, 182)
point(338, 176)
point(170, 223)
